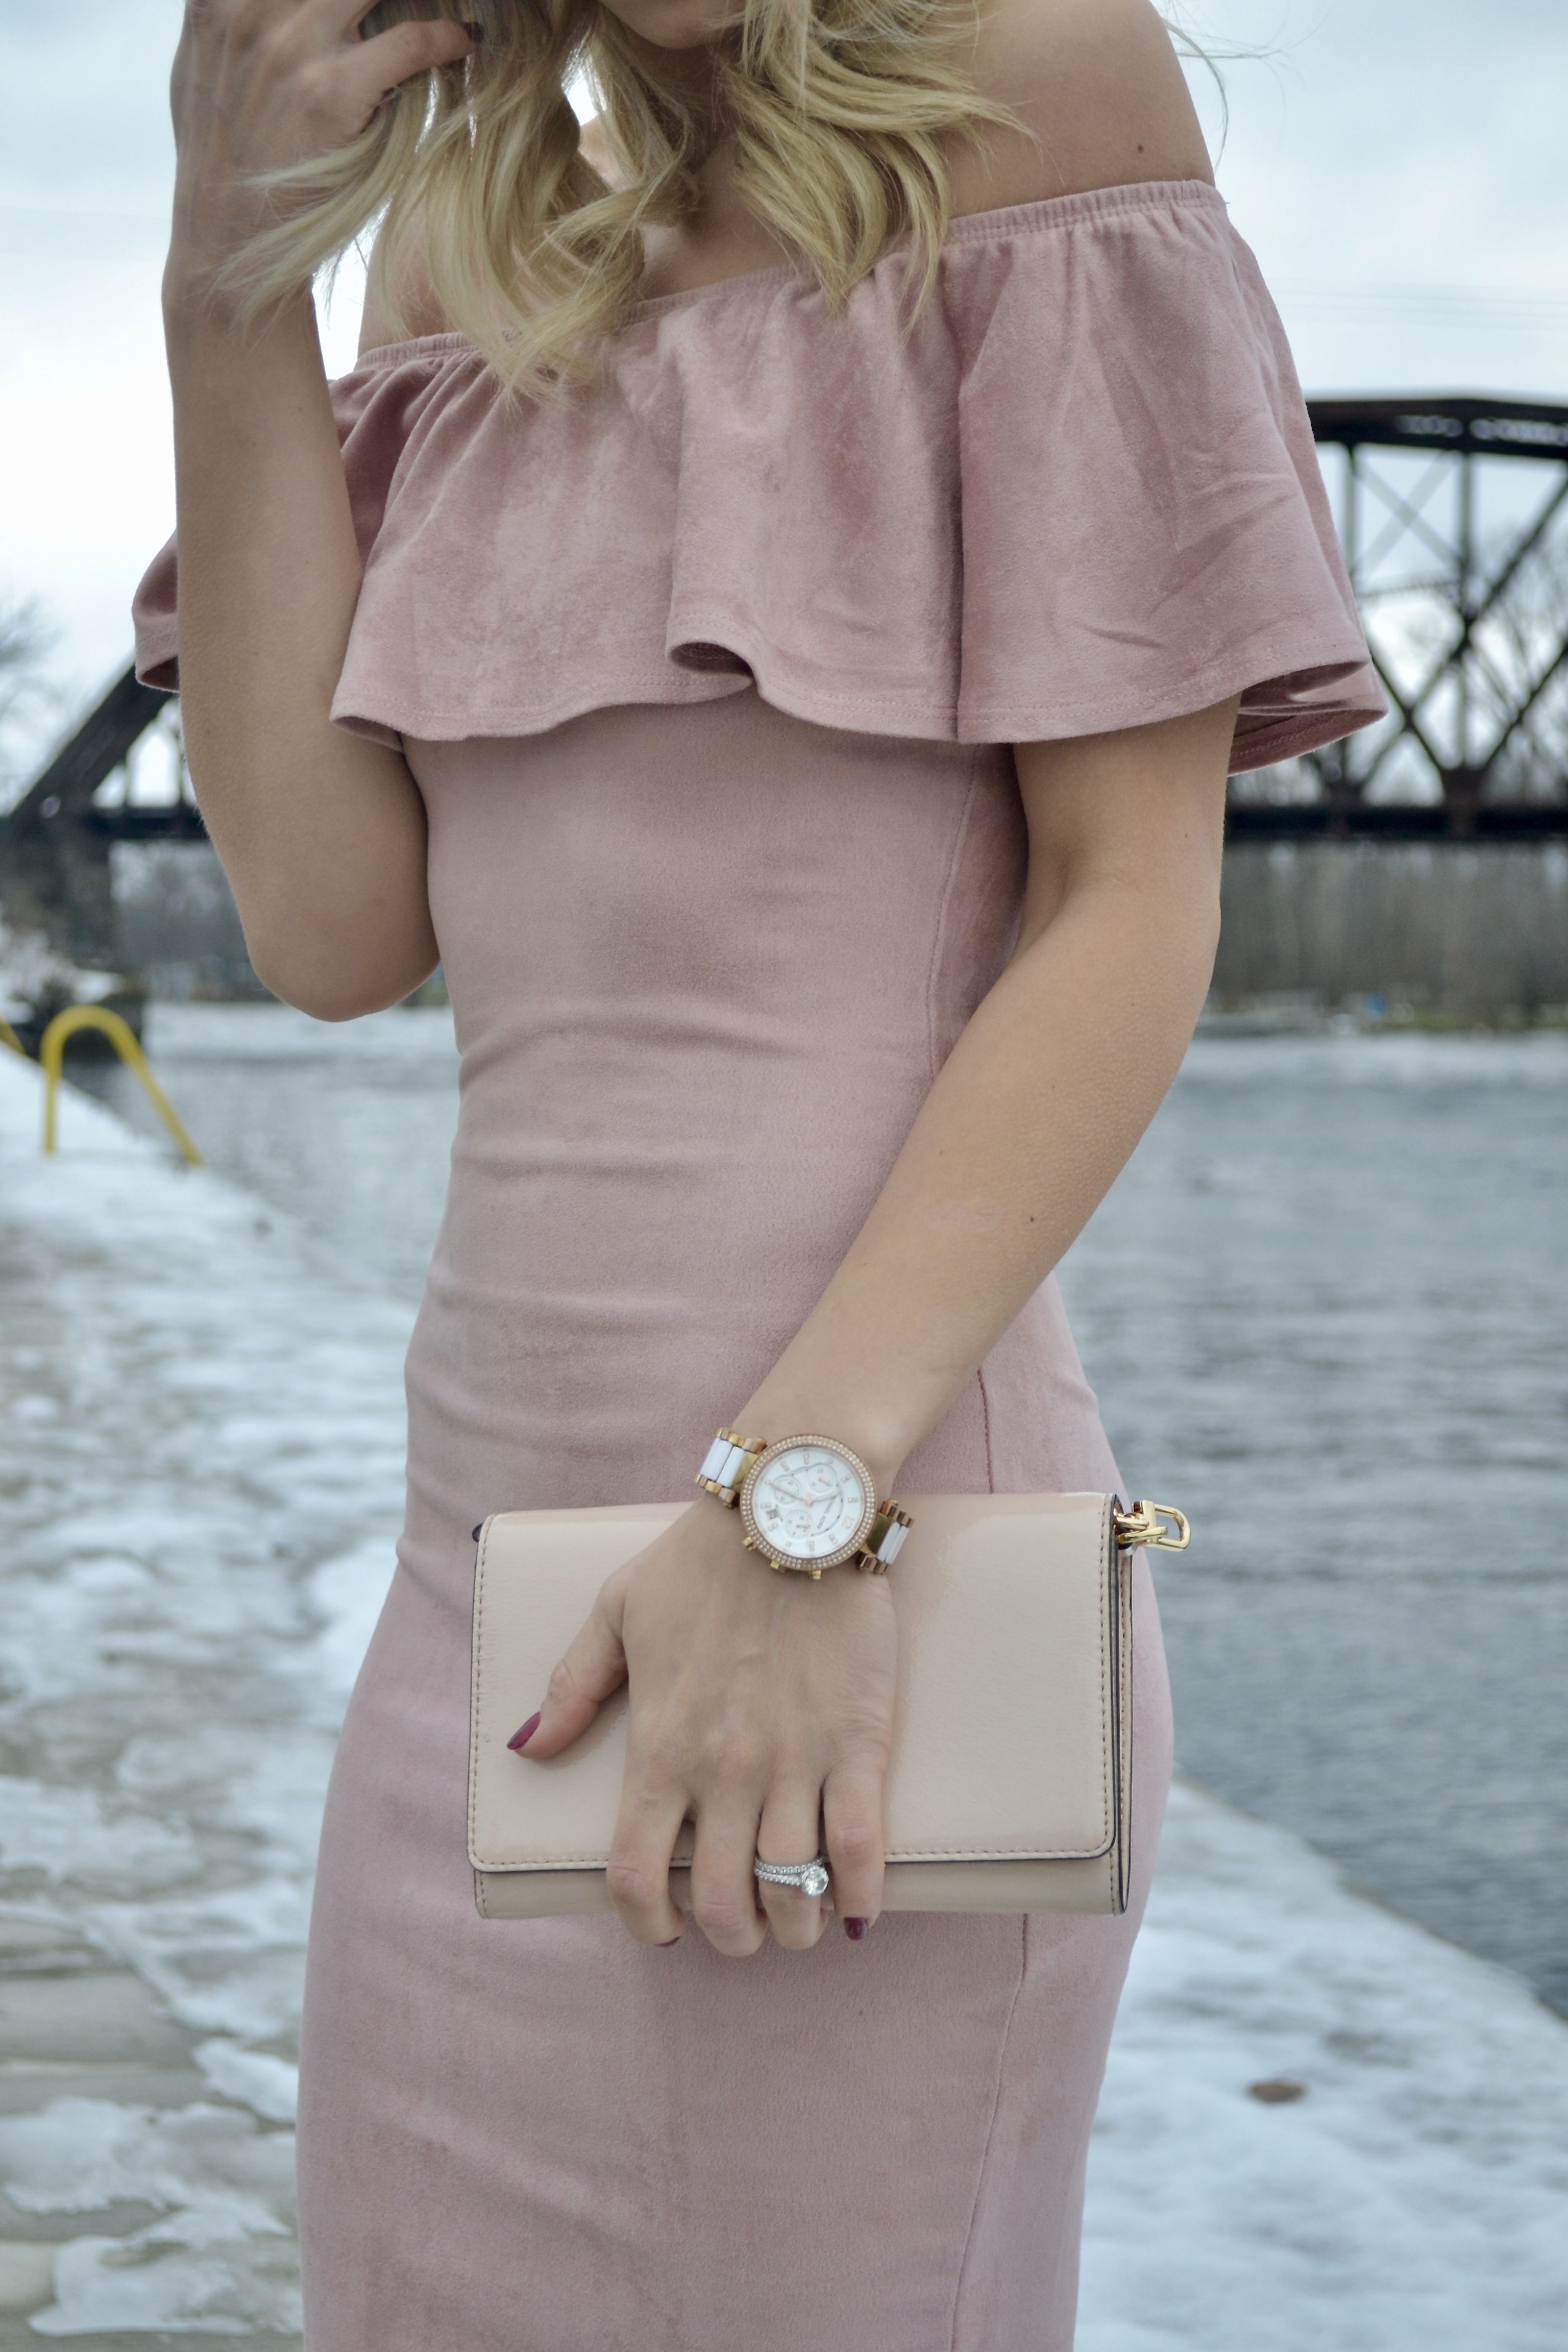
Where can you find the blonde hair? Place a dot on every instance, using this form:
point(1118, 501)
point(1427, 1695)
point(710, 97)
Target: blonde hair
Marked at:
point(837, 110)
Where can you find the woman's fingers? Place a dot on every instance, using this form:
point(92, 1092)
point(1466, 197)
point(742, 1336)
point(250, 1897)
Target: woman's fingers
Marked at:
point(723, 1890)
point(748, 1696)
point(292, 79)
point(790, 1831)
point(264, 86)
point(403, 50)
point(364, 20)
point(852, 1816)
point(592, 1670)
point(639, 1875)
point(364, 70)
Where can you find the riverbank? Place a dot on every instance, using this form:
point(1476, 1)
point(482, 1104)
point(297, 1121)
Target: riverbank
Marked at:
point(200, 1437)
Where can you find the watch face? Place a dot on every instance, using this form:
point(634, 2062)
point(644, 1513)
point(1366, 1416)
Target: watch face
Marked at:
point(809, 1501)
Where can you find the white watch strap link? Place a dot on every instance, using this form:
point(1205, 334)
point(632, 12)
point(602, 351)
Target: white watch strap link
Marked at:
point(726, 1463)
point(884, 1540)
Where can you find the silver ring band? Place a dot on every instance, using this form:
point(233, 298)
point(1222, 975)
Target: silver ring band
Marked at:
point(805, 1877)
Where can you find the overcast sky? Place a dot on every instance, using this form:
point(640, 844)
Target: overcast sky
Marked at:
point(1397, 164)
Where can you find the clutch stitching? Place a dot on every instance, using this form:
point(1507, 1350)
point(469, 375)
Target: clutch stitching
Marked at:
point(475, 1710)
point(1107, 1816)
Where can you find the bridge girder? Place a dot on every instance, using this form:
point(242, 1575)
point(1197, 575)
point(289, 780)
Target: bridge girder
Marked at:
point(1460, 569)
point(53, 847)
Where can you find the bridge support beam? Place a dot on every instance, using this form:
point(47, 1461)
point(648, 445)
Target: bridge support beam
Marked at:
point(54, 859)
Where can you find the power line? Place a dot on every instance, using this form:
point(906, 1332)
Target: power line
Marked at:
point(1453, 305)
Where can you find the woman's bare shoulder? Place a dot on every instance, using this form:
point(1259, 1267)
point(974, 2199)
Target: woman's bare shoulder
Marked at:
point(1099, 97)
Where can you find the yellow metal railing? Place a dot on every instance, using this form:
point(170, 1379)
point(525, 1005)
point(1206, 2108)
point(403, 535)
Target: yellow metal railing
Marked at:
point(122, 1037)
point(8, 1037)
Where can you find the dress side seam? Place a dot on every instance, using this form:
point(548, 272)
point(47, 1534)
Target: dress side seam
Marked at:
point(939, 929)
point(985, 1426)
point(990, 2131)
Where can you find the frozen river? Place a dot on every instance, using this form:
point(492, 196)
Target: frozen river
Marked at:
point(1325, 1310)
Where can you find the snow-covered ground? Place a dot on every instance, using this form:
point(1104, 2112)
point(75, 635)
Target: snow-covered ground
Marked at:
point(200, 1433)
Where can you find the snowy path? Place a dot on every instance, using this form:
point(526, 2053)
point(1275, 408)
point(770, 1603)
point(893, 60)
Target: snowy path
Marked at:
point(199, 1483)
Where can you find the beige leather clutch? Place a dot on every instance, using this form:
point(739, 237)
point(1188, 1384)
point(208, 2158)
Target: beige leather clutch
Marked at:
point(1010, 1780)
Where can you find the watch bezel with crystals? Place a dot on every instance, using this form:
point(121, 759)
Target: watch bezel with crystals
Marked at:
point(769, 1545)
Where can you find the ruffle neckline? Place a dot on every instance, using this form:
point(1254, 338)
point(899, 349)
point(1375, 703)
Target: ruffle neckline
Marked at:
point(1001, 220)
point(1080, 494)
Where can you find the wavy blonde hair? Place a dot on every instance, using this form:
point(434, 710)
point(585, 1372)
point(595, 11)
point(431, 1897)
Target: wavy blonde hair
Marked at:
point(838, 111)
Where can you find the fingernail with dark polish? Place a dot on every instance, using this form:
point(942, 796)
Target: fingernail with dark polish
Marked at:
point(523, 1734)
point(474, 32)
point(670, 1946)
point(856, 1929)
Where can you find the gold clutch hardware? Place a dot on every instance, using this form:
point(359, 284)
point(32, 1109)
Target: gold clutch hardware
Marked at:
point(1146, 1527)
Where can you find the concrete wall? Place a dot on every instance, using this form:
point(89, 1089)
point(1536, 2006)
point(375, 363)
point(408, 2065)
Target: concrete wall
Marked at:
point(1472, 932)
point(1468, 931)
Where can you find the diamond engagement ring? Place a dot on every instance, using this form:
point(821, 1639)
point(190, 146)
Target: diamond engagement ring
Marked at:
point(805, 1877)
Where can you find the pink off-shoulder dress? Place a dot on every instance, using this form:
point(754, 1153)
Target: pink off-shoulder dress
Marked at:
point(708, 677)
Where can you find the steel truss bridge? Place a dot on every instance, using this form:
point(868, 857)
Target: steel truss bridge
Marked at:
point(1453, 514)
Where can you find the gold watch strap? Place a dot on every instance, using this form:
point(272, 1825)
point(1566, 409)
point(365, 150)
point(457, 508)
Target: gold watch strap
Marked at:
point(728, 1462)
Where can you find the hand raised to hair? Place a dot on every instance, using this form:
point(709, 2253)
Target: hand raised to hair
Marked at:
point(260, 85)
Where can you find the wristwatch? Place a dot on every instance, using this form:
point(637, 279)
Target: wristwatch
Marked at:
point(806, 1503)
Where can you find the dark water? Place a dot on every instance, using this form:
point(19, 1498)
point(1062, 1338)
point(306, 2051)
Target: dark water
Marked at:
point(1325, 1306)
point(1325, 1310)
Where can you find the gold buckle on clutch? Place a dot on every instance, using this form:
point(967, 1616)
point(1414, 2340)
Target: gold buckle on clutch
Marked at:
point(1156, 1527)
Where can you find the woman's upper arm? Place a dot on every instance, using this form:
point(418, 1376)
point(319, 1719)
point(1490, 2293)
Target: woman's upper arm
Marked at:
point(1100, 98)
point(1141, 809)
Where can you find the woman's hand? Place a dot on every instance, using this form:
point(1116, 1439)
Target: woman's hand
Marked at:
point(762, 1708)
point(259, 85)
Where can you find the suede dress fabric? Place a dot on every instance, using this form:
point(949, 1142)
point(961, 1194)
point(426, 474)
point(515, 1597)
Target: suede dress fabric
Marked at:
point(707, 676)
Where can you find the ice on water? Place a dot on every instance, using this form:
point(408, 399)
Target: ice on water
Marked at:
point(199, 1526)
point(201, 1433)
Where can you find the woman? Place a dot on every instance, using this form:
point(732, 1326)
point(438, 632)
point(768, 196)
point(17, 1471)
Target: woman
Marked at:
point(772, 609)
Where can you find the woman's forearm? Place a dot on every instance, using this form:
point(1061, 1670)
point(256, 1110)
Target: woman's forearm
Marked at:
point(1041, 1102)
point(321, 833)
